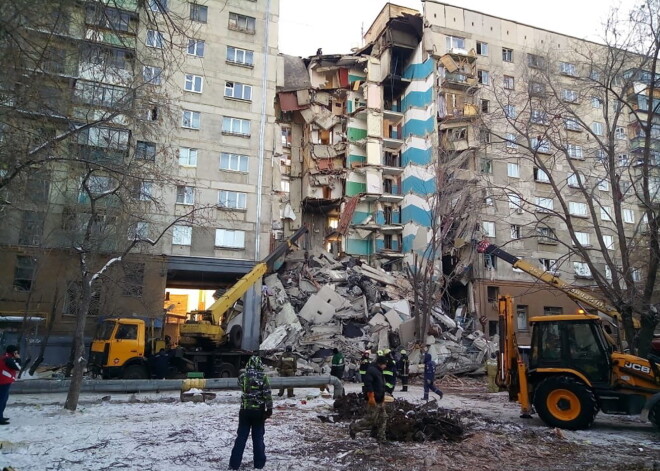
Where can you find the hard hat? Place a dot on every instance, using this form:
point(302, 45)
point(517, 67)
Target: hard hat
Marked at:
point(379, 353)
point(403, 352)
point(289, 348)
point(366, 353)
point(386, 351)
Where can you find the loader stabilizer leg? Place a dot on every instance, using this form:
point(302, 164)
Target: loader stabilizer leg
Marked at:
point(526, 408)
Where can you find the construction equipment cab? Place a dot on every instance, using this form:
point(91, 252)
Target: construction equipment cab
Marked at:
point(573, 372)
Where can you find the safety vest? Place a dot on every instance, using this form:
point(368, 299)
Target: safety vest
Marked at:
point(7, 375)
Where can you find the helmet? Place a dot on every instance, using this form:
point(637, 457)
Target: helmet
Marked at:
point(403, 352)
point(379, 353)
point(387, 351)
point(366, 353)
point(289, 348)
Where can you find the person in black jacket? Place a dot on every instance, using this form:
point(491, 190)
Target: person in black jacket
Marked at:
point(404, 368)
point(374, 386)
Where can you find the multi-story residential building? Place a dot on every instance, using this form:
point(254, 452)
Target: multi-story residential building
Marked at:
point(179, 94)
point(510, 113)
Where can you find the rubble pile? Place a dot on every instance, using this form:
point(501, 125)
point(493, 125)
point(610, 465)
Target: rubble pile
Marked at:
point(317, 302)
point(427, 422)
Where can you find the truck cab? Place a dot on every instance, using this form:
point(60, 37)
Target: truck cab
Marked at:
point(119, 349)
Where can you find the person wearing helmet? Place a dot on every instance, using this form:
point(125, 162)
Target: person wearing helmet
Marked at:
point(403, 369)
point(364, 364)
point(287, 366)
point(256, 407)
point(389, 373)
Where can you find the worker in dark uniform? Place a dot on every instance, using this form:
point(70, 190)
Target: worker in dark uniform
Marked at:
point(287, 366)
point(429, 377)
point(376, 418)
point(403, 368)
point(365, 361)
point(389, 372)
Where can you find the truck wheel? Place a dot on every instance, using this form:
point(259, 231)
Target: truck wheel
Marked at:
point(135, 372)
point(236, 336)
point(564, 402)
point(226, 370)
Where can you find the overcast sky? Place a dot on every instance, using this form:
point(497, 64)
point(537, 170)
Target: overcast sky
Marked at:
point(336, 25)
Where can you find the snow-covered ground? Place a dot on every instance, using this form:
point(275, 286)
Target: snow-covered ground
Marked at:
point(158, 432)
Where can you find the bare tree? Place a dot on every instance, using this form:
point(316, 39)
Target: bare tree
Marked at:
point(85, 112)
point(582, 121)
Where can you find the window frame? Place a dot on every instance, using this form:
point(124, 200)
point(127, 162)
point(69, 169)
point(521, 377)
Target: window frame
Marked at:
point(218, 243)
point(481, 51)
point(181, 235)
point(508, 82)
point(199, 13)
point(191, 82)
point(225, 199)
point(185, 195)
point(195, 116)
point(513, 170)
point(188, 156)
point(245, 54)
point(196, 47)
point(240, 159)
point(154, 39)
point(232, 87)
point(236, 18)
point(507, 54)
point(231, 121)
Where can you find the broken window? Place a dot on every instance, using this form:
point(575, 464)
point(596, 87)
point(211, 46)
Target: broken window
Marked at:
point(484, 136)
point(71, 303)
point(507, 54)
point(508, 82)
point(133, 279)
point(482, 48)
point(486, 166)
point(516, 232)
point(535, 62)
point(458, 134)
point(483, 77)
point(485, 106)
point(243, 23)
point(493, 293)
point(199, 13)
point(24, 273)
point(546, 235)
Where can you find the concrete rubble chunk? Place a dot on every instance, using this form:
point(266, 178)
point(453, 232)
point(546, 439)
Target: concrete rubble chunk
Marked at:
point(393, 319)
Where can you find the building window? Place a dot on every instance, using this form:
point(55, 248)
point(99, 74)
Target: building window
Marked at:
point(182, 235)
point(608, 242)
point(509, 111)
point(233, 162)
point(538, 117)
point(483, 77)
point(133, 282)
point(566, 68)
point(581, 270)
point(516, 232)
point(145, 150)
point(583, 238)
point(485, 106)
point(605, 213)
point(185, 194)
point(511, 140)
point(536, 88)
point(486, 166)
point(230, 239)
point(541, 176)
point(513, 170)
point(488, 228)
point(191, 119)
point(628, 216)
point(620, 132)
point(521, 317)
point(32, 228)
point(187, 157)
point(484, 136)
point(246, 24)
point(237, 90)
point(575, 180)
point(597, 128)
point(622, 160)
point(455, 42)
point(240, 56)
point(636, 275)
point(540, 145)
point(535, 62)
point(144, 191)
point(154, 39)
point(232, 199)
point(236, 126)
point(71, 305)
point(507, 54)
point(608, 272)
point(509, 82)
point(552, 310)
point(492, 293)
point(572, 125)
point(152, 75)
point(514, 201)
point(575, 151)
point(193, 83)
point(159, 6)
point(545, 205)
point(596, 102)
point(490, 262)
point(482, 48)
point(24, 273)
point(570, 96)
point(196, 47)
point(549, 265)
point(199, 13)
point(139, 230)
point(577, 209)
point(546, 235)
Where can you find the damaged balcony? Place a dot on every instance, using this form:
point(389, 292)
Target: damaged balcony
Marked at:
point(453, 107)
point(391, 163)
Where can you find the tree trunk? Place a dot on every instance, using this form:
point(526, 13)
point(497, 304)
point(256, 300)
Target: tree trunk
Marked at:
point(648, 321)
point(79, 357)
point(628, 327)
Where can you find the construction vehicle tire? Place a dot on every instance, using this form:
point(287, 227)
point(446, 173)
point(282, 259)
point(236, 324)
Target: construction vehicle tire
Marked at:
point(135, 372)
point(236, 336)
point(654, 415)
point(227, 370)
point(565, 402)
